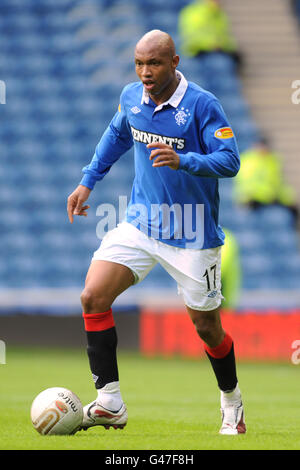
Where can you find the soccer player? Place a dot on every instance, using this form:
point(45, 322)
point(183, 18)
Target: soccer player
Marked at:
point(183, 144)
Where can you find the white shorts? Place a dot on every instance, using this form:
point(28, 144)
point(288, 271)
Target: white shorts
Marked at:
point(197, 272)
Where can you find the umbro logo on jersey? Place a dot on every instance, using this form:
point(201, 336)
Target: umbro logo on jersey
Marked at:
point(135, 110)
point(212, 294)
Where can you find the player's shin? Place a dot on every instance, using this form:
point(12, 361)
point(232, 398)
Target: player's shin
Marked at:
point(102, 353)
point(222, 359)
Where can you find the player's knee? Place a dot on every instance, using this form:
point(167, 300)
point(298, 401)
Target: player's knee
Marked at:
point(206, 328)
point(205, 332)
point(93, 302)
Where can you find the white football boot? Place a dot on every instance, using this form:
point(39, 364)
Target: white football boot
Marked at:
point(96, 415)
point(232, 412)
point(99, 412)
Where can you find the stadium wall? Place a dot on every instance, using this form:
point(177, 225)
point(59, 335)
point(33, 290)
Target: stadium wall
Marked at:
point(63, 331)
point(267, 335)
point(258, 335)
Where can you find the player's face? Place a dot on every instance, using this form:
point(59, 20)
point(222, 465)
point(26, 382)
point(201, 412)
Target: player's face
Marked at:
point(156, 70)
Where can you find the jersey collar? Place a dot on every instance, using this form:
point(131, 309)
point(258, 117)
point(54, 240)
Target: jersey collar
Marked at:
point(175, 99)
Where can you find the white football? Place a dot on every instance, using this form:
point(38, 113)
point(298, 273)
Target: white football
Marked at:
point(56, 410)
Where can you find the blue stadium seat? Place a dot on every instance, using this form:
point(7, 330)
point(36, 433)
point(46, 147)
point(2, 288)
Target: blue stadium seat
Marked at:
point(250, 241)
point(63, 90)
point(275, 217)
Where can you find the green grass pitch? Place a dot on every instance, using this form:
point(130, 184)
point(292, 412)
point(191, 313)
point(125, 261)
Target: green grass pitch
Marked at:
point(173, 404)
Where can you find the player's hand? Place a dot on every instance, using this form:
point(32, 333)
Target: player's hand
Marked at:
point(163, 155)
point(76, 200)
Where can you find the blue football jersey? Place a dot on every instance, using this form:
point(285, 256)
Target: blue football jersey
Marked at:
point(178, 207)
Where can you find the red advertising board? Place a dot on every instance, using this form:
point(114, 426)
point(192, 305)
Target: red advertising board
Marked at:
point(267, 335)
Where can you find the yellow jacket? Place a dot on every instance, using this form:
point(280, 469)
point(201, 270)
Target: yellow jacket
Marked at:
point(203, 26)
point(231, 275)
point(260, 179)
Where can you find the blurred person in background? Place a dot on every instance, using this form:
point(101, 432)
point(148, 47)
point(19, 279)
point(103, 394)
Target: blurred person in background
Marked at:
point(231, 271)
point(204, 29)
point(260, 180)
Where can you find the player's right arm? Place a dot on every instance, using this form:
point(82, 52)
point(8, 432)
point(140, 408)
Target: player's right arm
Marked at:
point(116, 140)
point(76, 200)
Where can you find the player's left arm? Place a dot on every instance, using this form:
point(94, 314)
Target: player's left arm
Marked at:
point(221, 156)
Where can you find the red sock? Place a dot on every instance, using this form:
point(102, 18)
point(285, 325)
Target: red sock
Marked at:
point(102, 347)
point(220, 351)
point(222, 359)
point(98, 321)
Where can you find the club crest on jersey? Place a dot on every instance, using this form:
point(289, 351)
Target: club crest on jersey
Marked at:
point(181, 116)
